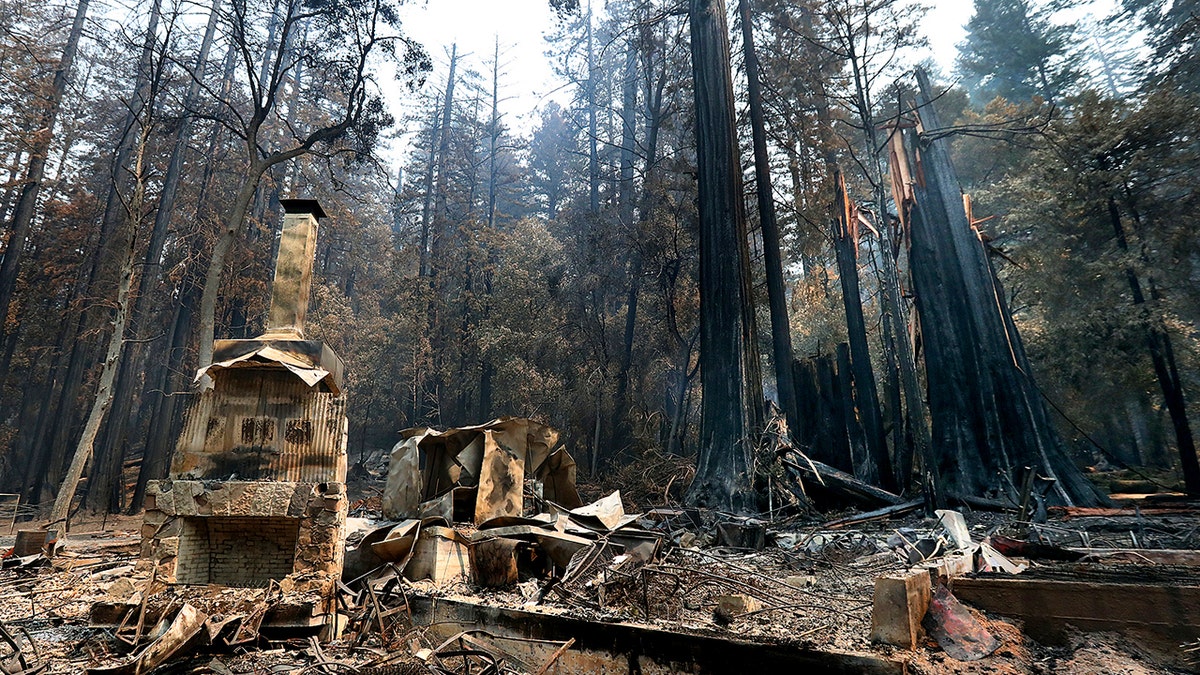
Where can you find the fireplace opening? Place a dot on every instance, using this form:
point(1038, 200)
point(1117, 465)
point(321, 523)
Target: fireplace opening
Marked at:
point(245, 552)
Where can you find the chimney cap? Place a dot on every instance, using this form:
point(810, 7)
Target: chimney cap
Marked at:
point(303, 206)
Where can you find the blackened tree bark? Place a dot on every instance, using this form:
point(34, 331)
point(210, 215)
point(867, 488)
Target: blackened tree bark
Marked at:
point(622, 434)
point(781, 330)
point(486, 370)
point(918, 440)
point(874, 466)
point(427, 192)
point(732, 398)
point(845, 399)
point(1162, 356)
point(988, 417)
point(165, 411)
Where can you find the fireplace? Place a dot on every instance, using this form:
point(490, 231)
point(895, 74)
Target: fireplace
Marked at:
point(256, 490)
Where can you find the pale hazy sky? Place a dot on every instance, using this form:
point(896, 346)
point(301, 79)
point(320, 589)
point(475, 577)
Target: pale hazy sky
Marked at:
point(528, 79)
point(522, 24)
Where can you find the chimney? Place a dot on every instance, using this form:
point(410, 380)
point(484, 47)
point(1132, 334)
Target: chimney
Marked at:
point(293, 268)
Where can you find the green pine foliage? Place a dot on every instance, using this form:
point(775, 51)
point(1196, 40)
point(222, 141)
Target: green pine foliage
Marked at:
point(1014, 50)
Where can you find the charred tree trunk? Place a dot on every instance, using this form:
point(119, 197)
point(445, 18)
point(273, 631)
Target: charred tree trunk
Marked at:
point(902, 354)
point(846, 395)
point(806, 434)
point(988, 417)
point(1162, 356)
point(166, 411)
point(731, 407)
point(781, 330)
point(486, 369)
point(431, 383)
point(441, 216)
point(622, 434)
point(427, 197)
point(874, 466)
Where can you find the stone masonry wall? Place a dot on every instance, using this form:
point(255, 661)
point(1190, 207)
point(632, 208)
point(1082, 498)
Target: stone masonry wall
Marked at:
point(176, 509)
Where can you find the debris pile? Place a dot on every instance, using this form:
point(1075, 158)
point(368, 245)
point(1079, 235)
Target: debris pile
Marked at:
point(483, 558)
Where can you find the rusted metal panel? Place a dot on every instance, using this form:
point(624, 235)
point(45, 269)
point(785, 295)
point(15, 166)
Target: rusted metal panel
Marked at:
point(263, 425)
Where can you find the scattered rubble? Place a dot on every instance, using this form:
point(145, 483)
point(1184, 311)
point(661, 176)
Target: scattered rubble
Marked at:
point(811, 592)
point(529, 579)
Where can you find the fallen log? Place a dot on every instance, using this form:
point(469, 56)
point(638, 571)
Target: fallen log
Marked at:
point(877, 514)
point(838, 481)
point(981, 503)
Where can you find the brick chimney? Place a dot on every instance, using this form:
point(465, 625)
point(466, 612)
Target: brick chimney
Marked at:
point(256, 491)
point(293, 268)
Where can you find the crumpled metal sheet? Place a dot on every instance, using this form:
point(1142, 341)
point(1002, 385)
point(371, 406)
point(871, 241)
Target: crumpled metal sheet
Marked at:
point(494, 458)
point(501, 480)
point(310, 375)
point(187, 624)
point(310, 361)
point(404, 488)
point(608, 512)
point(956, 630)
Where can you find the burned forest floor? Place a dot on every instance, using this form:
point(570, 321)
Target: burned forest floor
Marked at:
point(728, 594)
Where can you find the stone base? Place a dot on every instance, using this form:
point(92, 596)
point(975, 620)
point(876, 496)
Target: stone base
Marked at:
point(242, 533)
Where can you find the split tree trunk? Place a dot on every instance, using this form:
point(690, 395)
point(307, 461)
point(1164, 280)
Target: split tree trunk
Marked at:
point(896, 322)
point(874, 466)
point(988, 418)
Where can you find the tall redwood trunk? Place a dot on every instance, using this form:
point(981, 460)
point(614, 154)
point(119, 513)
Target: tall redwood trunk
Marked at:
point(731, 408)
point(781, 330)
point(621, 431)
